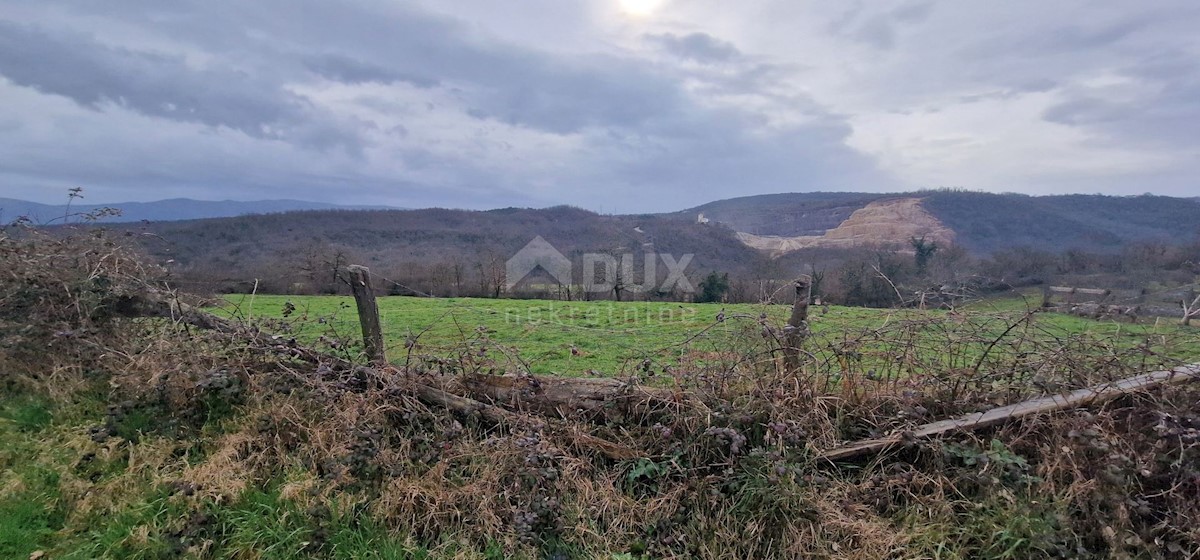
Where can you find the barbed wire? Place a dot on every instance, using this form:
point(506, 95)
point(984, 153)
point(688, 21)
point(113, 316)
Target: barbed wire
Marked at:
point(651, 350)
point(457, 306)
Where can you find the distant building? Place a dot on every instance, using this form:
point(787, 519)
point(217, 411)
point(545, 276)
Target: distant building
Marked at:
point(700, 219)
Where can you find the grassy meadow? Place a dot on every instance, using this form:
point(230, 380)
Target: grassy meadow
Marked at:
point(604, 338)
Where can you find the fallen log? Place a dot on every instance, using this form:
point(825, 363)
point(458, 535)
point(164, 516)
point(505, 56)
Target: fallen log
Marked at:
point(468, 407)
point(161, 306)
point(1053, 403)
point(167, 306)
point(464, 406)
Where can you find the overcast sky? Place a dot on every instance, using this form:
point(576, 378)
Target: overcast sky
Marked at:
point(613, 105)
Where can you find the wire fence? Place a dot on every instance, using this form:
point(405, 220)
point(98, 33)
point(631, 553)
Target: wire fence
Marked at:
point(1008, 342)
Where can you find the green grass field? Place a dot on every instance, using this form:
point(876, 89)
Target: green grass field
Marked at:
point(609, 338)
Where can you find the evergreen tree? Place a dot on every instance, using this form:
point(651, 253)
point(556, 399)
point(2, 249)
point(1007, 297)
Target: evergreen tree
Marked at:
point(713, 287)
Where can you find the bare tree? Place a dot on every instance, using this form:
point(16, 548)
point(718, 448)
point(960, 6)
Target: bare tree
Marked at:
point(817, 280)
point(618, 286)
point(322, 264)
point(1190, 310)
point(496, 274)
point(491, 268)
point(458, 270)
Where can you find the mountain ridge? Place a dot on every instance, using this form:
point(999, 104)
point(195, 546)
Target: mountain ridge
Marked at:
point(171, 209)
point(449, 252)
point(982, 223)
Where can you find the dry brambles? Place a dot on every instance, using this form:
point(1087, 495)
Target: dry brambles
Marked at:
point(721, 463)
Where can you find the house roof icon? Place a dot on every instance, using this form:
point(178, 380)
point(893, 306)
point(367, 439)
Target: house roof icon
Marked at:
point(537, 253)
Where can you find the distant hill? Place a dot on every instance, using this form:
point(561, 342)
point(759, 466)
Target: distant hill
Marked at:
point(755, 239)
point(429, 249)
point(162, 210)
point(980, 222)
point(789, 214)
point(987, 222)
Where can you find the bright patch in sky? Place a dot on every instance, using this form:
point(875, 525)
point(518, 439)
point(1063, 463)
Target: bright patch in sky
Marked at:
point(640, 8)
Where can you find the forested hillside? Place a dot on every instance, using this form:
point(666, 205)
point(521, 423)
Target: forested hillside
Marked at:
point(436, 251)
point(993, 241)
point(989, 222)
point(983, 222)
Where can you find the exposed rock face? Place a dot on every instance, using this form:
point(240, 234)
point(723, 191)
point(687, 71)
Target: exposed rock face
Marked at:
point(884, 223)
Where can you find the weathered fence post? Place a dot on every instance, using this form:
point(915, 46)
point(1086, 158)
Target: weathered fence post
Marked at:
point(797, 328)
point(368, 313)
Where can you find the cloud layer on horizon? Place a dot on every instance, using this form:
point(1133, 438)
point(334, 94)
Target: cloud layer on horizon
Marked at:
point(479, 104)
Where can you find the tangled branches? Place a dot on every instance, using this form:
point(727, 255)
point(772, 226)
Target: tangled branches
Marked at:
point(60, 292)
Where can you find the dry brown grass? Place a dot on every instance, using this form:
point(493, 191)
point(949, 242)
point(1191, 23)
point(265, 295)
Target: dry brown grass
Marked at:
point(735, 478)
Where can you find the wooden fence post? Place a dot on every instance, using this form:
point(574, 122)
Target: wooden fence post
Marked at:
point(797, 327)
point(368, 313)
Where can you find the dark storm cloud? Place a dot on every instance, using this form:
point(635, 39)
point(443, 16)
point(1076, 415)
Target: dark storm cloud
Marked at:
point(386, 42)
point(78, 67)
point(700, 47)
point(161, 85)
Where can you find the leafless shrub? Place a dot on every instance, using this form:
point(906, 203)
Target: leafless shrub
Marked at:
point(61, 294)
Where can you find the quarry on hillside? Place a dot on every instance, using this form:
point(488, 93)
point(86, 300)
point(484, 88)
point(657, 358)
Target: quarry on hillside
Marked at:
point(883, 223)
